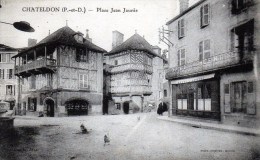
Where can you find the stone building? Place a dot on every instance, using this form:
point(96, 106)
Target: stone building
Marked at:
point(132, 72)
point(8, 81)
point(61, 75)
point(214, 63)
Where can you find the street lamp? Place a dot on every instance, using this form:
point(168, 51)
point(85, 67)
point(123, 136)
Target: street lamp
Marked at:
point(22, 26)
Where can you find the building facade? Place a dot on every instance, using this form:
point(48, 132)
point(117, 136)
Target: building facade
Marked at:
point(61, 75)
point(8, 81)
point(131, 71)
point(214, 63)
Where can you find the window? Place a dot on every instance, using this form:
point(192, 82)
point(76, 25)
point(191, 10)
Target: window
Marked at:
point(181, 28)
point(10, 74)
point(81, 55)
point(250, 87)
point(181, 57)
point(118, 106)
point(2, 74)
point(204, 50)
point(3, 57)
point(239, 5)
point(32, 104)
point(83, 81)
point(165, 93)
point(204, 15)
point(226, 88)
point(242, 38)
point(116, 62)
point(33, 82)
point(10, 90)
point(49, 80)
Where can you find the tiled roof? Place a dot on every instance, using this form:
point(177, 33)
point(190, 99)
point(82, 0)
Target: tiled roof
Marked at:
point(64, 35)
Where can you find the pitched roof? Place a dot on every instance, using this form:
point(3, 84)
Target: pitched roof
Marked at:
point(6, 48)
point(135, 42)
point(64, 35)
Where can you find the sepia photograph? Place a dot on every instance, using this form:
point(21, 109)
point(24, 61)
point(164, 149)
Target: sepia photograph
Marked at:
point(129, 80)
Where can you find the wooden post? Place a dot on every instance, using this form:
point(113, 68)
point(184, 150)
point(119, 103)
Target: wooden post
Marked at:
point(45, 54)
point(170, 94)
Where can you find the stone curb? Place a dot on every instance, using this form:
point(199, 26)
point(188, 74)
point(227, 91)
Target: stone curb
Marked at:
point(198, 125)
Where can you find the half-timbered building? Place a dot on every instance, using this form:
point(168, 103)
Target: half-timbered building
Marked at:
point(131, 73)
point(61, 75)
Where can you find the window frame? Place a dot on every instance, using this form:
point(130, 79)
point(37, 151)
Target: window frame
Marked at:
point(83, 81)
point(82, 55)
point(180, 58)
point(204, 51)
point(181, 28)
point(203, 15)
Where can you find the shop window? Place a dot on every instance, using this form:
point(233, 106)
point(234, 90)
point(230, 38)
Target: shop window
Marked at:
point(240, 5)
point(182, 101)
point(181, 57)
point(204, 15)
point(204, 50)
point(204, 97)
point(181, 28)
point(81, 55)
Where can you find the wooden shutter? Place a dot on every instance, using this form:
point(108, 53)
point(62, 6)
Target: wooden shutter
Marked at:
point(201, 16)
point(29, 103)
point(227, 106)
point(179, 29)
point(182, 57)
point(182, 27)
point(206, 15)
point(200, 51)
point(251, 101)
point(178, 57)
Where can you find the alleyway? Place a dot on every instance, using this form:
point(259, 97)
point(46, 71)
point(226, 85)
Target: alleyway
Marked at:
point(149, 138)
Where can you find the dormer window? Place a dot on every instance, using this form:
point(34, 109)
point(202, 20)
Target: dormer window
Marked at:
point(79, 37)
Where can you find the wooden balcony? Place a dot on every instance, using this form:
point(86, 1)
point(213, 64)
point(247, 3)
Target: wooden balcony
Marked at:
point(132, 66)
point(220, 61)
point(39, 66)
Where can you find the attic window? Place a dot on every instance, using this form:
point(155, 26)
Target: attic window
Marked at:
point(79, 37)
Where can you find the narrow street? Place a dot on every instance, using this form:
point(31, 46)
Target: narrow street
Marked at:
point(147, 138)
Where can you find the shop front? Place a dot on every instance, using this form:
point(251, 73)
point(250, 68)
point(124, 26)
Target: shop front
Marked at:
point(197, 97)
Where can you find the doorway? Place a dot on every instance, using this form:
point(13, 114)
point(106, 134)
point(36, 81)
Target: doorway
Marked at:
point(126, 107)
point(239, 97)
point(50, 107)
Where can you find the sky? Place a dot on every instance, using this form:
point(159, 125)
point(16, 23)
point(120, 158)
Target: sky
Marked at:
point(150, 16)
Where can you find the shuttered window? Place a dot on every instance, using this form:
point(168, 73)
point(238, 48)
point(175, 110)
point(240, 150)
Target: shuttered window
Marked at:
point(204, 50)
point(181, 57)
point(204, 15)
point(181, 28)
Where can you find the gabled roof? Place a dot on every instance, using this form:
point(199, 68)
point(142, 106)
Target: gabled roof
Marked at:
point(136, 42)
point(64, 35)
point(6, 48)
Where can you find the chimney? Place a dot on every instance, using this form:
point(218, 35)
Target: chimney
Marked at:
point(157, 50)
point(184, 4)
point(118, 39)
point(87, 36)
point(31, 42)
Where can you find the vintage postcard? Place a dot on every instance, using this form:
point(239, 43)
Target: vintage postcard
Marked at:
point(129, 79)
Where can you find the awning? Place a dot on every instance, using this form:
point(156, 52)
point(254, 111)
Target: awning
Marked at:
point(193, 79)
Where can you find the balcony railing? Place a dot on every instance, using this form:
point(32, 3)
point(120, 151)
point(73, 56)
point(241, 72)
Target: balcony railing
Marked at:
point(132, 89)
point(219, 61)
point(132, 66)
point(37, 64)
